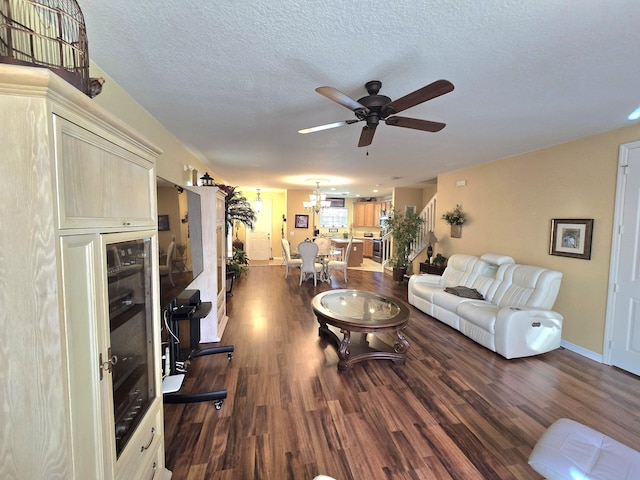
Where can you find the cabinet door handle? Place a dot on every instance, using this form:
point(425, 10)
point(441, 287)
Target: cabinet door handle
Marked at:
point(108, 365)
point(144, 447)
point(154, 467)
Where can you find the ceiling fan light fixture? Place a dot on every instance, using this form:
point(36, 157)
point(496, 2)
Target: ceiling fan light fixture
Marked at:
point(321, 127)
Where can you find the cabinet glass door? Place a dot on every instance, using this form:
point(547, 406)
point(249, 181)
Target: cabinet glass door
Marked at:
point(130, 296)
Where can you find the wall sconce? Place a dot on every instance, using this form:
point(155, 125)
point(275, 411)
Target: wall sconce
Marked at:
point(258, 202)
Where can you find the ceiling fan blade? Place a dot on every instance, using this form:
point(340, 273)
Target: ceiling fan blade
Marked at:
point(366, 137)
point(327, 126)
point(339, 97)
point(415, 123)
point(433, 90)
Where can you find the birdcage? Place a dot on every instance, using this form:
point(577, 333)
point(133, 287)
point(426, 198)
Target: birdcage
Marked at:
point(46, 33)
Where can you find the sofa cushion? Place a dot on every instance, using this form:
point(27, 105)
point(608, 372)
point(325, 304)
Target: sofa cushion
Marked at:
point(459, 270)
point(570, 450)
point(526, 286)
point(497, 259)
point(425, 290)
point(447, 301)
point(480, 313)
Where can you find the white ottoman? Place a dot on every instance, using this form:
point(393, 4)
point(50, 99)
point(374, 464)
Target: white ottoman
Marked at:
point(568, 450)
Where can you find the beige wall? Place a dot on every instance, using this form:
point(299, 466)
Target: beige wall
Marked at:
point(174, 154)
point(294, 206)
point(403, 197)
point(510, 204)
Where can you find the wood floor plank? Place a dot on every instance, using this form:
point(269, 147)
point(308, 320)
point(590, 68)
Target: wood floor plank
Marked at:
point(454, 410)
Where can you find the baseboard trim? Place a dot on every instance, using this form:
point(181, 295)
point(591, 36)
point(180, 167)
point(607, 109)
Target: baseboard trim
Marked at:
point(582, 351)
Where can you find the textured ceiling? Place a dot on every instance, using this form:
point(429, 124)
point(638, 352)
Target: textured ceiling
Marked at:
point(234, 80)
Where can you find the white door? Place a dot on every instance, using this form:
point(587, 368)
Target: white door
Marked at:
point(623, 312)
point(259, 240)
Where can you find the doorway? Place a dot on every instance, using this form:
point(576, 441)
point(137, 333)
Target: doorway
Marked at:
point(259, 240)
point(622, 331)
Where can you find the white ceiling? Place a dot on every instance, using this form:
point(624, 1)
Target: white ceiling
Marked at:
point(234, 80)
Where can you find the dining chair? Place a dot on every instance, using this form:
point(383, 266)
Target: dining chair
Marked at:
point(167, 268)
point(308, 252)
point(341, 264)
point(324, 245)
point(288, 261)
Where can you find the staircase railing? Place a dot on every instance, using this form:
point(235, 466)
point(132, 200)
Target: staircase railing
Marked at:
point(428, 214)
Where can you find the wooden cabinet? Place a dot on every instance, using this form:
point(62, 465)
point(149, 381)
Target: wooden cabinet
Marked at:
point(358, 214)
point(367, 249)
point(433, 269)
point(366, 214)
point(77, 184)
point(100, 183)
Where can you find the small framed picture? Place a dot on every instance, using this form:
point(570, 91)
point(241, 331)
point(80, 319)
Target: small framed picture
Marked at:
point(163, 223)
point(302, 221)
point(571, 237)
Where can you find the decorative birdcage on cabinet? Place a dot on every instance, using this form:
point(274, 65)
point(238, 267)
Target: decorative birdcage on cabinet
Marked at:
point(46, 33)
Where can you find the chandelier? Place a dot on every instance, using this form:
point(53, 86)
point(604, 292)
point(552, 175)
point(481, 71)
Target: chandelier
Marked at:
point(317, 201)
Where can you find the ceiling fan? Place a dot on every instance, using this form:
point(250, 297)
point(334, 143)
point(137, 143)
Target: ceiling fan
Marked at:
point(373, 108)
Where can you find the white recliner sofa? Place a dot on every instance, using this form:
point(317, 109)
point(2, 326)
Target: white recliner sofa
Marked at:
point(513, 317)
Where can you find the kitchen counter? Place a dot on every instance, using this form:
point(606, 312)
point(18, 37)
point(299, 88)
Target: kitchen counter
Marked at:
point(355, 257)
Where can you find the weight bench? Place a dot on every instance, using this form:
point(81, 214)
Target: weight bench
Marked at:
point(568, 450)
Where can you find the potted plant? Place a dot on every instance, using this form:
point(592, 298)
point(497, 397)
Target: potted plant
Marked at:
point(404, 228)
point(236, 266)
point(455, 218)
point(439, 261)
point(238, 263)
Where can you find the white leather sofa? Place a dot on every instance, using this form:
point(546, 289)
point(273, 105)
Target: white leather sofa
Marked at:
point(514, 318)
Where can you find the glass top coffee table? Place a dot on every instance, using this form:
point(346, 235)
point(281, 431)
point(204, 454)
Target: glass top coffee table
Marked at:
point(354, 321)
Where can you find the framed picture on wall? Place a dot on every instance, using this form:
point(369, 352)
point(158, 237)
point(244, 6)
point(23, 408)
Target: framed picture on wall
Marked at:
point(571, 237)
point(163, 223)
point(302, 221)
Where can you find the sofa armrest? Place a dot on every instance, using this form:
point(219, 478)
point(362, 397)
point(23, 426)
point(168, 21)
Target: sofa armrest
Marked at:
point(522, 332)
point(428, 278)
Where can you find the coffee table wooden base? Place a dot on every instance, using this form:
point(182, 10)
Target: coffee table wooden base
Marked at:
point(355, 321)
point(355, 347)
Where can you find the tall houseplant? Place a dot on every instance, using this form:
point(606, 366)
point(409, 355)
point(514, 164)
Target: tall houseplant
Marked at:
point(404, 228)
point(237, 208)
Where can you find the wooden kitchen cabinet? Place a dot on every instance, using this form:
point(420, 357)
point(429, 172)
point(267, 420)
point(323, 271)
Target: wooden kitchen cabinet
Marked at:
point(367, 250)
point(366, 214)
point(358, 214)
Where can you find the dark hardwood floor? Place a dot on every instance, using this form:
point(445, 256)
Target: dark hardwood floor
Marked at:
point(454, 410)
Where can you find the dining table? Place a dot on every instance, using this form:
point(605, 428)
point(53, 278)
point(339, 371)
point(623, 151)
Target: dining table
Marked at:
point(324, 259)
